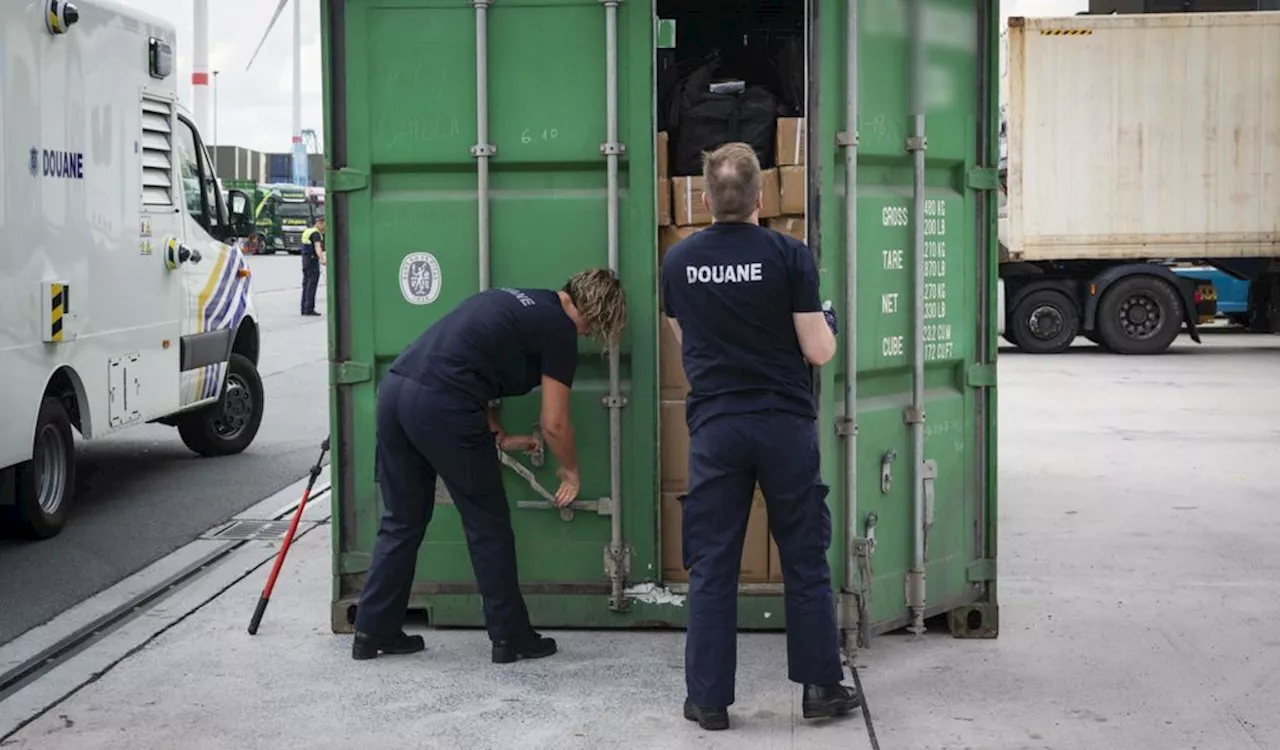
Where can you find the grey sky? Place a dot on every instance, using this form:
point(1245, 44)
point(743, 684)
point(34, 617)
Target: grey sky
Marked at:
point(254, 107)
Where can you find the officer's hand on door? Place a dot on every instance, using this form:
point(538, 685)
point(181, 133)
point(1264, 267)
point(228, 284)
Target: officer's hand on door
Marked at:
point(569, 485)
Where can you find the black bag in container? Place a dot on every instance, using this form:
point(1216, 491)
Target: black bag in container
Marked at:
point(703, 121)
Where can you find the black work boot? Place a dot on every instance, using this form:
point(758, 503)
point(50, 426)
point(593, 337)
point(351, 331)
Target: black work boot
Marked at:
point(827, 701)
point(366, 646)
point(531, 646)
point(710, 719)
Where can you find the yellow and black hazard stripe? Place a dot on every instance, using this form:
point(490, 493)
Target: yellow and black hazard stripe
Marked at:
point(1066, 32)
point(58, 296)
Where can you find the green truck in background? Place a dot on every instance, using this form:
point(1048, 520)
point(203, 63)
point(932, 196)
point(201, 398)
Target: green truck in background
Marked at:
point(281, 213)
point(539, 156)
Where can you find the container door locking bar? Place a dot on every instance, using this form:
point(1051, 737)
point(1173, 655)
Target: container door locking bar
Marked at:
point(602, 507)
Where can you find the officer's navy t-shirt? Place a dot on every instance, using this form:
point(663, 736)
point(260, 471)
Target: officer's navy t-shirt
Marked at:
point(733, 288)
point(496, 344)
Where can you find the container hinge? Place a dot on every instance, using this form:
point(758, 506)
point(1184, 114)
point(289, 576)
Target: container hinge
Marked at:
point(917, 143)
point(913, 415)
point(930, 470)
point(617, 562)
point(886, 470)
point(844, 140)
point(350, 373)
point(483, 150)
point(981, 375)
point(846, 427)
point(354, 562)
point(345, 180)
point(982, 178)
point(613, 149)
point(614, 402)
point(981, 571)
point(848, 612)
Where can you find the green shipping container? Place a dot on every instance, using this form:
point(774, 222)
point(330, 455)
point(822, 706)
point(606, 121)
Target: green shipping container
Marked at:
point(512, 143)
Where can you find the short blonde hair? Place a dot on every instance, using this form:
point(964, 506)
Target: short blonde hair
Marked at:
point(600, 298)
point(732, 173)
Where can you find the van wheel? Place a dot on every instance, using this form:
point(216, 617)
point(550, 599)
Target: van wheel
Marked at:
point(46, 483)
point(1139, 315)
point(230, 425)
point(1045, 321)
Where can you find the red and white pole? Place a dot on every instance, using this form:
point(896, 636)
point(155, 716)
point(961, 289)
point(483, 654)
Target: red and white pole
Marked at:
point(200, 66)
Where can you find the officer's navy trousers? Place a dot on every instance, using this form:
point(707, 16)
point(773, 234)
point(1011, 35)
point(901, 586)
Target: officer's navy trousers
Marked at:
point(423, 434)
point(728, 455)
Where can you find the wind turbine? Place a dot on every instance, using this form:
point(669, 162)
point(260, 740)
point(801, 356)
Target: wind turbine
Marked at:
point(299, 150)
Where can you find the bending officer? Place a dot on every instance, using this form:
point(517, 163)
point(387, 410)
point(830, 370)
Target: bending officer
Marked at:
point(743, 301)
point(435, 419)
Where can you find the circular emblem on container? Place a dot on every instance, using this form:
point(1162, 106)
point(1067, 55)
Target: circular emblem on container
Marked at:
point(420, 278)
point(33, 162)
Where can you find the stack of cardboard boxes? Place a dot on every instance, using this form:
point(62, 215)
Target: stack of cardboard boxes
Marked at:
point(681, 213)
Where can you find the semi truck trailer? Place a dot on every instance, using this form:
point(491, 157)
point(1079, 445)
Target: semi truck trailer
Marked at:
point(1137, 143)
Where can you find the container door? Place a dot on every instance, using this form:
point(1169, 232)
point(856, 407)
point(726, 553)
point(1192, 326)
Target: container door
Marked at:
point(432, 202)
point(923, 244)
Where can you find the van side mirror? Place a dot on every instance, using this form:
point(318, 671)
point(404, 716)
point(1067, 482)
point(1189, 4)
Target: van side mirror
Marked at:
point(239, 213)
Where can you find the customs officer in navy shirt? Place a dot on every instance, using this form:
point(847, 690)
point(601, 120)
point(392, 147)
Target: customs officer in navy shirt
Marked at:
point(743, 301)
point(435, 419)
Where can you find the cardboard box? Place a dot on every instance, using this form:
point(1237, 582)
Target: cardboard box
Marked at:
point(789, 225)
point(674, 452)
point(687, 192)
point(790, 141)
point(669, 236)
point(672, 552)
point(793, 190)
point(770, 194)
point(664, 202)
point(672, 383)
point(775, 562)
point(755, 548)
point(662, 149)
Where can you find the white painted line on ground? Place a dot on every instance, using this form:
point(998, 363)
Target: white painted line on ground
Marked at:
point(66, 678)
point(287, 497)
point(43, 637)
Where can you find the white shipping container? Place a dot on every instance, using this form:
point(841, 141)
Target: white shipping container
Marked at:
point(1144, 136)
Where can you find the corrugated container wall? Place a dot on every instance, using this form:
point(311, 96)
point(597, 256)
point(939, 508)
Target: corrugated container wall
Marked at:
point(1145, 136)
point(435, 192)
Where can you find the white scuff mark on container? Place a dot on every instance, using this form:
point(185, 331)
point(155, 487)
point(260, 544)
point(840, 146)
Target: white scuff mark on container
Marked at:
point(767, 615)
point(651, 593)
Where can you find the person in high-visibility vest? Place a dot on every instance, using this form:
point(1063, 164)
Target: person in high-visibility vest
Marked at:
point(312, 260)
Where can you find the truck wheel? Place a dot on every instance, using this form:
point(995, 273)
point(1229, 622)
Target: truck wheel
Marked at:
point(47, 483)
point(1139, 315)
point(1045, 321)
point(230, 425)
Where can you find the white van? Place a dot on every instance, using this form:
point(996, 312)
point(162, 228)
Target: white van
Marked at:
point(120, 303)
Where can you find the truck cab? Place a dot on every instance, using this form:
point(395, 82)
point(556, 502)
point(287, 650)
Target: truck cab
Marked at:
point(283, 213)
point(121, 300)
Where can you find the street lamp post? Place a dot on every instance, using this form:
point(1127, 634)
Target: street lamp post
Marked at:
point(215, 123)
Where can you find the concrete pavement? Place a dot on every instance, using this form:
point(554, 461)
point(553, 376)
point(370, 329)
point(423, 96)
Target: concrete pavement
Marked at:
point(1139, 596)
point(142, 494)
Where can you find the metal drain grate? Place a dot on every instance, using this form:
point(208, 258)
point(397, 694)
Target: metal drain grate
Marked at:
point(254, 530)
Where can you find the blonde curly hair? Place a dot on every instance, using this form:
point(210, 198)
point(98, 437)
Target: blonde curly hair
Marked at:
point(599, 297)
